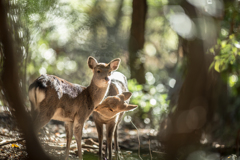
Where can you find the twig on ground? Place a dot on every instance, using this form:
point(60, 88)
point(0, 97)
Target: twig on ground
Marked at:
point(150, 149)
point(158, 152)
point(138, 140)
point(237, 143)
point(10, 136)
point(12, 142)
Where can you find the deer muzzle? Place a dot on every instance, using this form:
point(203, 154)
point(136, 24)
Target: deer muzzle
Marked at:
point(107, 79)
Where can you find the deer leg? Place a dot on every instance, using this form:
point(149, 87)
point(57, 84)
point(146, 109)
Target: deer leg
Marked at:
point(106, 146)
point(41, 120)
point(77, 131)
point(110, 130)
point(116, 141)
point(100, 138)
point(69, 131)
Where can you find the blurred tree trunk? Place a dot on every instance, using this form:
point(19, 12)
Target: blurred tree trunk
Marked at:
point(112, 31)
point(198, 95)
point(10, 85)
point(136, 41)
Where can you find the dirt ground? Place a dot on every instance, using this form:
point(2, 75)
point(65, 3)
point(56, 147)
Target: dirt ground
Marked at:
point(53, 140)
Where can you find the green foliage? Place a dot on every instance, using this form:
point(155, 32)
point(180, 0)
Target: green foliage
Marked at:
point(152, 103)
point(228, 57)
point(227, 61)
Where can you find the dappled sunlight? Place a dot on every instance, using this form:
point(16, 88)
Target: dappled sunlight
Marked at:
point(190, 120)
point(143, 104)
point(172, 82)
point(237, 45)
point(127, 119)
point(203, 155)
point(49, 55)
point(60, 65)
point(153, 101)
point(183, 25)
point(233, 79)
point(181, 62)
point(147, 120)
point(173, 58)
point(179, 21)
point(150, 78)
point(150, 50)
point(160, 88)
point(67, 64)
point(212, 7)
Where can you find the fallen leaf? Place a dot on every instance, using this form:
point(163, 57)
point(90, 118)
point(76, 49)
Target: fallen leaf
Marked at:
point(15, 146)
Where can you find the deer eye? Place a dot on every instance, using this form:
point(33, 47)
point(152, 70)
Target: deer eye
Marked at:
point(111, 110)
point(98, 71)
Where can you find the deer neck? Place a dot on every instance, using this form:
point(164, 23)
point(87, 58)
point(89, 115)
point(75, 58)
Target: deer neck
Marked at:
point(97, 94)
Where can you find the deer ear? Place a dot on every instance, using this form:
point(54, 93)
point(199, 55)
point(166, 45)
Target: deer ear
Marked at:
point(114, 64)
point(127, 95)
point(131, 107)
point(92, 62)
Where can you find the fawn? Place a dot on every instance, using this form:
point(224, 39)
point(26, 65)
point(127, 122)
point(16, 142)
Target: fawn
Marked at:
point(111, 110)
point(54, 98)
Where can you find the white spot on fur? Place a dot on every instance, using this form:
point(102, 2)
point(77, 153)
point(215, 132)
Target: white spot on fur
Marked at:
point(40, 97)
point(31, 95)
point(118, 76)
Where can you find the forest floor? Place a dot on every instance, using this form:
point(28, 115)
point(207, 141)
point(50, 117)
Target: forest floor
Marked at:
point(53, 140)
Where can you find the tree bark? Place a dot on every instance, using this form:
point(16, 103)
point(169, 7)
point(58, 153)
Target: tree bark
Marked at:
point(10, 85)
point(136, 41)
point(197, 99)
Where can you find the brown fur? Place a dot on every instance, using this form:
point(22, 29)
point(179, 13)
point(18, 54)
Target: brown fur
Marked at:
point(111, 111)
point(70, 102)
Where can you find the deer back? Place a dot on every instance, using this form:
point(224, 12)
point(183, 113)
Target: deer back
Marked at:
point(118, 84)
point(52, 91)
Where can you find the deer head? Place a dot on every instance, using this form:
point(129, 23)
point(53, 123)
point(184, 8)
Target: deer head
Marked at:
point(115, 104)
point(102, 71)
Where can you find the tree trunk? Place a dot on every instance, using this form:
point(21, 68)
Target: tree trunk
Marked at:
point(136, 41)
point(10, 85)
point(198, 97)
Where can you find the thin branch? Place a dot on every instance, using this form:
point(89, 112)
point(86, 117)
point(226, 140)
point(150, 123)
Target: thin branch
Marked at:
point(3, 144)
point(150, 149)
point(10, 136)
point(138, 140)
point(158, 152)
point(237, 142)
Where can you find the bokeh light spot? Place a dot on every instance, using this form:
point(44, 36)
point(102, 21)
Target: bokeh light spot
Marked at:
point(172, 82)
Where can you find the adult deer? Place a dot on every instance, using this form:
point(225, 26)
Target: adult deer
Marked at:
point(54, 98)
point(111, 111)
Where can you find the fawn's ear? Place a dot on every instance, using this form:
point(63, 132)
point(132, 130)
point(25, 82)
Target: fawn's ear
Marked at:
point(92, 62)
point(114, 64)
point(127, 95)
point(130, 107)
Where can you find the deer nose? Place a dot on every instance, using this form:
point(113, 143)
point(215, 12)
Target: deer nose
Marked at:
point(107, 79)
